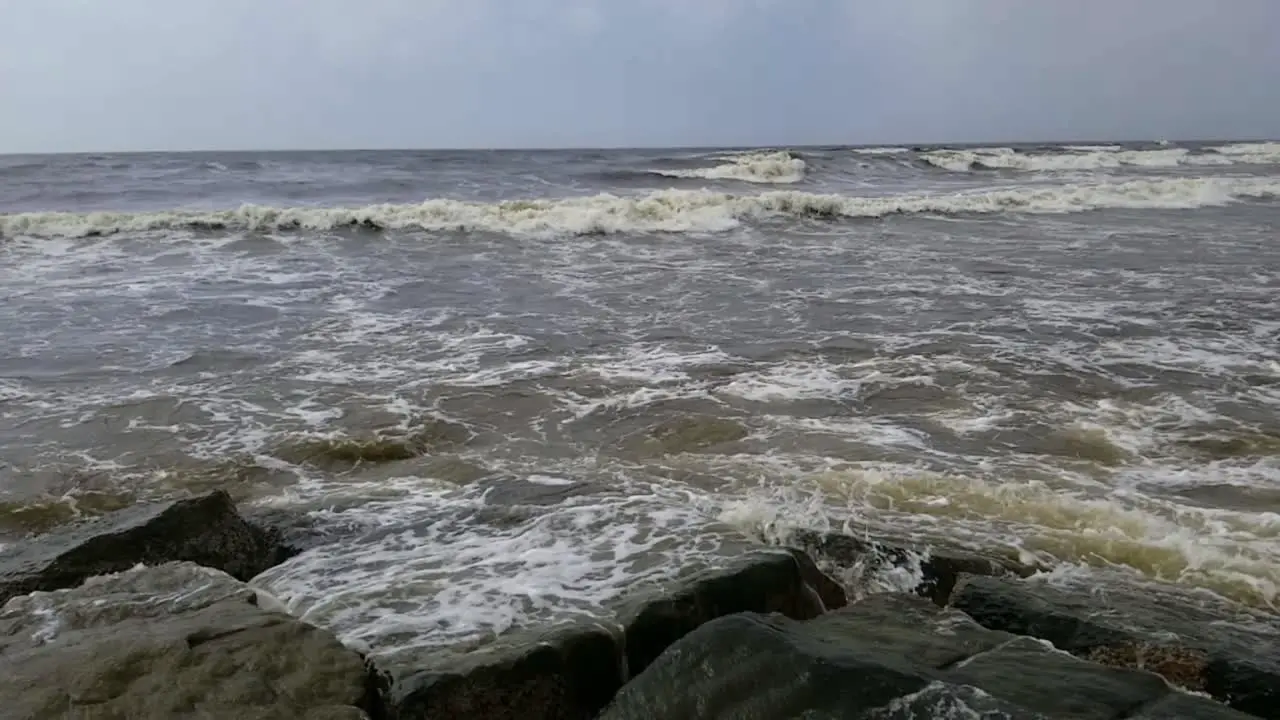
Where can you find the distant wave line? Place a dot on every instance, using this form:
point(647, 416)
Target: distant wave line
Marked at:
point(667, 211)
point(1099, 157)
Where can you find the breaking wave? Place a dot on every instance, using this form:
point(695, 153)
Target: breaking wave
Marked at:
point(1096, 157)
point(769, 167)
point(669, 211)
point(881, 151)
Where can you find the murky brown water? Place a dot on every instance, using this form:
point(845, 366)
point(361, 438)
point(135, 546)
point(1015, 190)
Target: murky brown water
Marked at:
point(549, 404)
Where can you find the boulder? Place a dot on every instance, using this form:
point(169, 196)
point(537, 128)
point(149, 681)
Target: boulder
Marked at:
point(205, 530)
point(1194, 639)
point(567, 674)
point(889, 656)
point(172, 641)
point(571, 673)
point(934, 572)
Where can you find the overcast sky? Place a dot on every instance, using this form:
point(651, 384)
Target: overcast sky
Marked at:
point(231, 74)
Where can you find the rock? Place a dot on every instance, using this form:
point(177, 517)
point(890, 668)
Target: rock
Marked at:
point(939, 570)
point(759, 582)
point(206, 530)
point(1195, 640)
point(172, 641)
point(573, 673)
point(1177, 706)
point(889, 656)
point(567, 674)
point(830, 593)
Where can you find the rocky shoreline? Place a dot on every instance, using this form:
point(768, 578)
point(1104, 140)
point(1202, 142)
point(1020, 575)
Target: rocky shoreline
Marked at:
point(147, 613)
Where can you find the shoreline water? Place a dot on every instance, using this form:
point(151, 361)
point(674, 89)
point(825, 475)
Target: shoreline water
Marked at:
point(92, 582)
point(571, 372)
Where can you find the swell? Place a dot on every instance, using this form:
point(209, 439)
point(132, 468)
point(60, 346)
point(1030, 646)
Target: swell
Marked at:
point(1100, 157)
point(761, 167)
point(666, 211)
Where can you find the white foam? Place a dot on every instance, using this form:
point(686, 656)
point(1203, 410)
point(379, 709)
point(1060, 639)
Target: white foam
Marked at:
point(798, 381)
point(939, 701)
point(981, 417)
point(1214, 357)
point(12, 389)
point(767, 167)
point(506, 373)
point(670, 211)
point(1080, 158)
point(1259, 153)
point(793, 382)
point(1072, 521)
point(549, 480)
point(882, 151)
point(643, 374)
point(581, 407)
point(314, 413)
point(776, 516)
point(651, 363)
point(876, 431)
point(443, 573)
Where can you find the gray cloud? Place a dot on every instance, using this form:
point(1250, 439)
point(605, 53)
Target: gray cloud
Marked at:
point(138, 74)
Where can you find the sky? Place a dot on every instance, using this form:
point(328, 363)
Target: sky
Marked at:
point(99, 75)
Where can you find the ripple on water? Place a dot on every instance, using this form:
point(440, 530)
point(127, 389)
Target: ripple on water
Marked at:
point(1069, 396)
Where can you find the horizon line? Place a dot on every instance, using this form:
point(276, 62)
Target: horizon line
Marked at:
point(624, 148)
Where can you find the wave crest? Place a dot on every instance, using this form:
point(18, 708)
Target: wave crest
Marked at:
point(761, 167)
point(1090, 157)
point(1255, 153)
point(668, 211)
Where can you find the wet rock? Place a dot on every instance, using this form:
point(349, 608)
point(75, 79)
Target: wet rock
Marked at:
point(845, 555)
point(1180, 706)
point(1193, 639)
point(567, 674)
point(830, 592)
point(890, 656)
point(170, 641)
point(762, 582)
point(571, 673)
point(206, 530)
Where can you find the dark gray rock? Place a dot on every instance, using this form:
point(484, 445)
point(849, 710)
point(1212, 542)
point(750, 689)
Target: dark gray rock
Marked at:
point(830, 592)
point(205, 530)
point(1193, 639)
point(567, 674)
point(1176, 706)
point(939, 569)
point(570, 674)
point(889, 656)
point(172, 641)
point(1027, 672)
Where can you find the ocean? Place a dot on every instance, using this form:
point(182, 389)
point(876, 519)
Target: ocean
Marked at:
point(514, 384)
